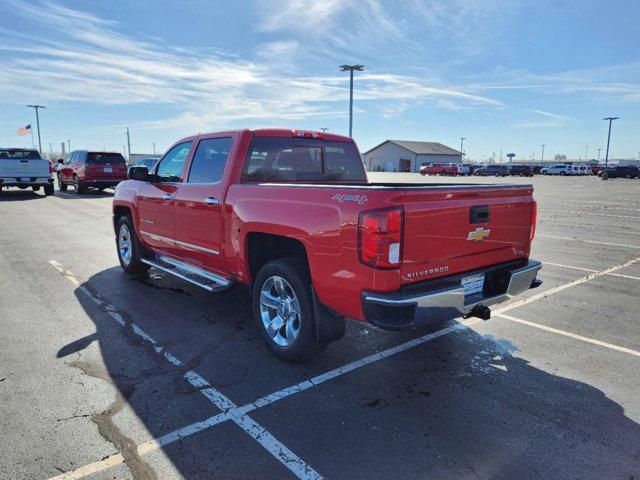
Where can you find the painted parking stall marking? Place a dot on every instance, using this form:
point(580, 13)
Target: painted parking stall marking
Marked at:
point(277, 449)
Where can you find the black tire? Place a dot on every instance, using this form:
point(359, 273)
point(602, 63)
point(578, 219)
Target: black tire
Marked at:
point(497, 174)
point(563, 173)
point(36, 188)
point(61, 185)
point(80, 187)
point(296, 274)
point(134, 266)
point(422, 173)
point(48, 190)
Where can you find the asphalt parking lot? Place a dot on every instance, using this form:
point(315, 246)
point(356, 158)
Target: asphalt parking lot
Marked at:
point(102, 376)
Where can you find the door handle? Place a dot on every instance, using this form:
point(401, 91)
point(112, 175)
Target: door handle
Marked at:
point(211, 201)
point(168, 196)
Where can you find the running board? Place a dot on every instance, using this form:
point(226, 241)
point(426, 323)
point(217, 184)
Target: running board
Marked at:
point(189, 273)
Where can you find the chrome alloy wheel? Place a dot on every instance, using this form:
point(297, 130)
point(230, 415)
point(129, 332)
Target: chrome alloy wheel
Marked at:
point(124, 244)
point(280, 311)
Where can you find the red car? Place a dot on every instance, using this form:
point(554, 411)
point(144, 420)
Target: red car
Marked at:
point(292, 215)
point(84, 169)
point(439, 169)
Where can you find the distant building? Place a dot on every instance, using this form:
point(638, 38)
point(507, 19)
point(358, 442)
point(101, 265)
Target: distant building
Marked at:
point(408, 156)
point(136, 157)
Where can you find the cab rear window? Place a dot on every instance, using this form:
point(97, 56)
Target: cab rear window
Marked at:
point(278, 159)
point(105, 158)
point(18, 154)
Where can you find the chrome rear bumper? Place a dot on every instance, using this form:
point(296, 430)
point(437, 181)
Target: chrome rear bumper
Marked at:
point(405, 309)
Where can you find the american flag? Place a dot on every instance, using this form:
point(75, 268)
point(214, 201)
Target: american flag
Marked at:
point(24, 130)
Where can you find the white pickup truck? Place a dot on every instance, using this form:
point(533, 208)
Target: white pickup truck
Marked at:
point(23, 168)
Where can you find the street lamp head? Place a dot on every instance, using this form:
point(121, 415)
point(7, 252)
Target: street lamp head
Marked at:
point(611, 118)
point(346, 68)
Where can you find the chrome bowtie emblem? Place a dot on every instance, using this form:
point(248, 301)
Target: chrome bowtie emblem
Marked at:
point(478, 235)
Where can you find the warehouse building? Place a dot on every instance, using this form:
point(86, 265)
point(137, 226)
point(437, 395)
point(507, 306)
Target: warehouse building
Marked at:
point(408, 156)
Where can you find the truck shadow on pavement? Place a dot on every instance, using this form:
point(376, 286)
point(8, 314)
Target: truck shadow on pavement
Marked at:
point(463, 405)
point(15, 195)
point(72, 195)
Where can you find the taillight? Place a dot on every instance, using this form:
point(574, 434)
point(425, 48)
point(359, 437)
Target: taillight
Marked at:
point(50, 167)
point(380, 237)
point(534, 217)
point(305, 134)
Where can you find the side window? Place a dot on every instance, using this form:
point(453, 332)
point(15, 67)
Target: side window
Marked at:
point(209, 160)
point(170, 168)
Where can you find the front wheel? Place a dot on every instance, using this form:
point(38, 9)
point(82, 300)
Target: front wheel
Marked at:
point(80, 187)
point(283, 309)
point(562, 173)
point(129, 248)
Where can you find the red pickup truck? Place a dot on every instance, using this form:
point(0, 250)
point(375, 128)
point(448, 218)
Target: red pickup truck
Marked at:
point(292, 215)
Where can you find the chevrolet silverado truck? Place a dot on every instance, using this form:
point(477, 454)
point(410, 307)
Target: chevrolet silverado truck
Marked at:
point(292, 215)
point(24, 168)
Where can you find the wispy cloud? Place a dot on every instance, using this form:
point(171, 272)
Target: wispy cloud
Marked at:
point(550, 120)
point(79, 57)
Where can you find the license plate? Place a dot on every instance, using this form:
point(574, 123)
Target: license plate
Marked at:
point(108, 170)
point(25, 179)
point(472, 284)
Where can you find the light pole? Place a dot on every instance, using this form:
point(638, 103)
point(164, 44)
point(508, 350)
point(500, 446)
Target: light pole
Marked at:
point(128, 145)
point(606, 158)
point(69, 146)
point(154, 148)
point(36, 108)
point(599, 150)
point(542, 157)
point(351, 69)
point(50, 152)
point(462, 139)
point(324, 129)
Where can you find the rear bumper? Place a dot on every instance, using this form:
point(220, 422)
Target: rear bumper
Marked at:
point(102, 183)
point(444, 299)
point(31, 182)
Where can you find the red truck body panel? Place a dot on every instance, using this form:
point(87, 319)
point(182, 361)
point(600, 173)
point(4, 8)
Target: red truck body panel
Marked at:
point(324, 218)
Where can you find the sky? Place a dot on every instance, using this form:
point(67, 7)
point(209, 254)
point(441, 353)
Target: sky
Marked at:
point(508, 75)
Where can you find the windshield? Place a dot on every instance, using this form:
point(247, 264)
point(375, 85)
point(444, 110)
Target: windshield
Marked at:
point(19, 154)
point(105, 158)
point(278, 159)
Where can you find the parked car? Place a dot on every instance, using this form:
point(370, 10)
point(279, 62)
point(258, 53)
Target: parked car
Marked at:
point(596, 169)
point(25, 168)
point(464, 170)
point(536, 169)
point(521, 170)
point(148, 162)
point(622, 171)
point(84, 169)
point(439, 169)
point(292, 215)
point(560, 169)
point(493, 170)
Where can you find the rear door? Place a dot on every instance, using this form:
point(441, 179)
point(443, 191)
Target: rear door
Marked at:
point(156, 205)
point(199, 202)
point(448, 231)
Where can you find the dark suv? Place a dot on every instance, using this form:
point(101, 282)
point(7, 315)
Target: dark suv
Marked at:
point(521, 170)
point(626, 171)
point(493, 170)
point(84, 169)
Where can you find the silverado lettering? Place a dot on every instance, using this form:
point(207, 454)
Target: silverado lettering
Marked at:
point(251, 207)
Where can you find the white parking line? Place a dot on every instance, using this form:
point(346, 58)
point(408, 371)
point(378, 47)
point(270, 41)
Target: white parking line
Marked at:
point(551, 291)
point(240, 412)
point(591, 270)
point(590, 214)
point(571, 335)
point(588, 241)
point(279, 451)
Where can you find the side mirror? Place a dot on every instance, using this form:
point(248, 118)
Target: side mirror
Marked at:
point(138, 172)
point(60, 160)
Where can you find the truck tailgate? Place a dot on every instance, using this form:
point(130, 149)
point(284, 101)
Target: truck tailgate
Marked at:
point(18, 167)
point(446, 231)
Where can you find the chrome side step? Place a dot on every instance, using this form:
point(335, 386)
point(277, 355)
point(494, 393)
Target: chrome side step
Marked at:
point(189, 273)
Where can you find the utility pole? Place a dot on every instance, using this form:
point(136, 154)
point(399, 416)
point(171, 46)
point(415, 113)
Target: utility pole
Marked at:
point(36, 108)
point(128, 144)
point(599, 150)
point(50, 152)
point(69, 146)
point(542, 157)
point(154, 148)
point(606, 158)
point(462, 139)
point(351, 69)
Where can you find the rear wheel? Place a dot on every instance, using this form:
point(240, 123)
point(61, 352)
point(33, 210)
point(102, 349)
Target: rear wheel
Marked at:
point(61, 185)
point(48, 189)
point(129, 249)
point(563, 173)
point(497, 174)
point(80, 187)
point(283, 309)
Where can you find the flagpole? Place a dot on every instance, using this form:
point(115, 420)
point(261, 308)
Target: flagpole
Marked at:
point(33, 143)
